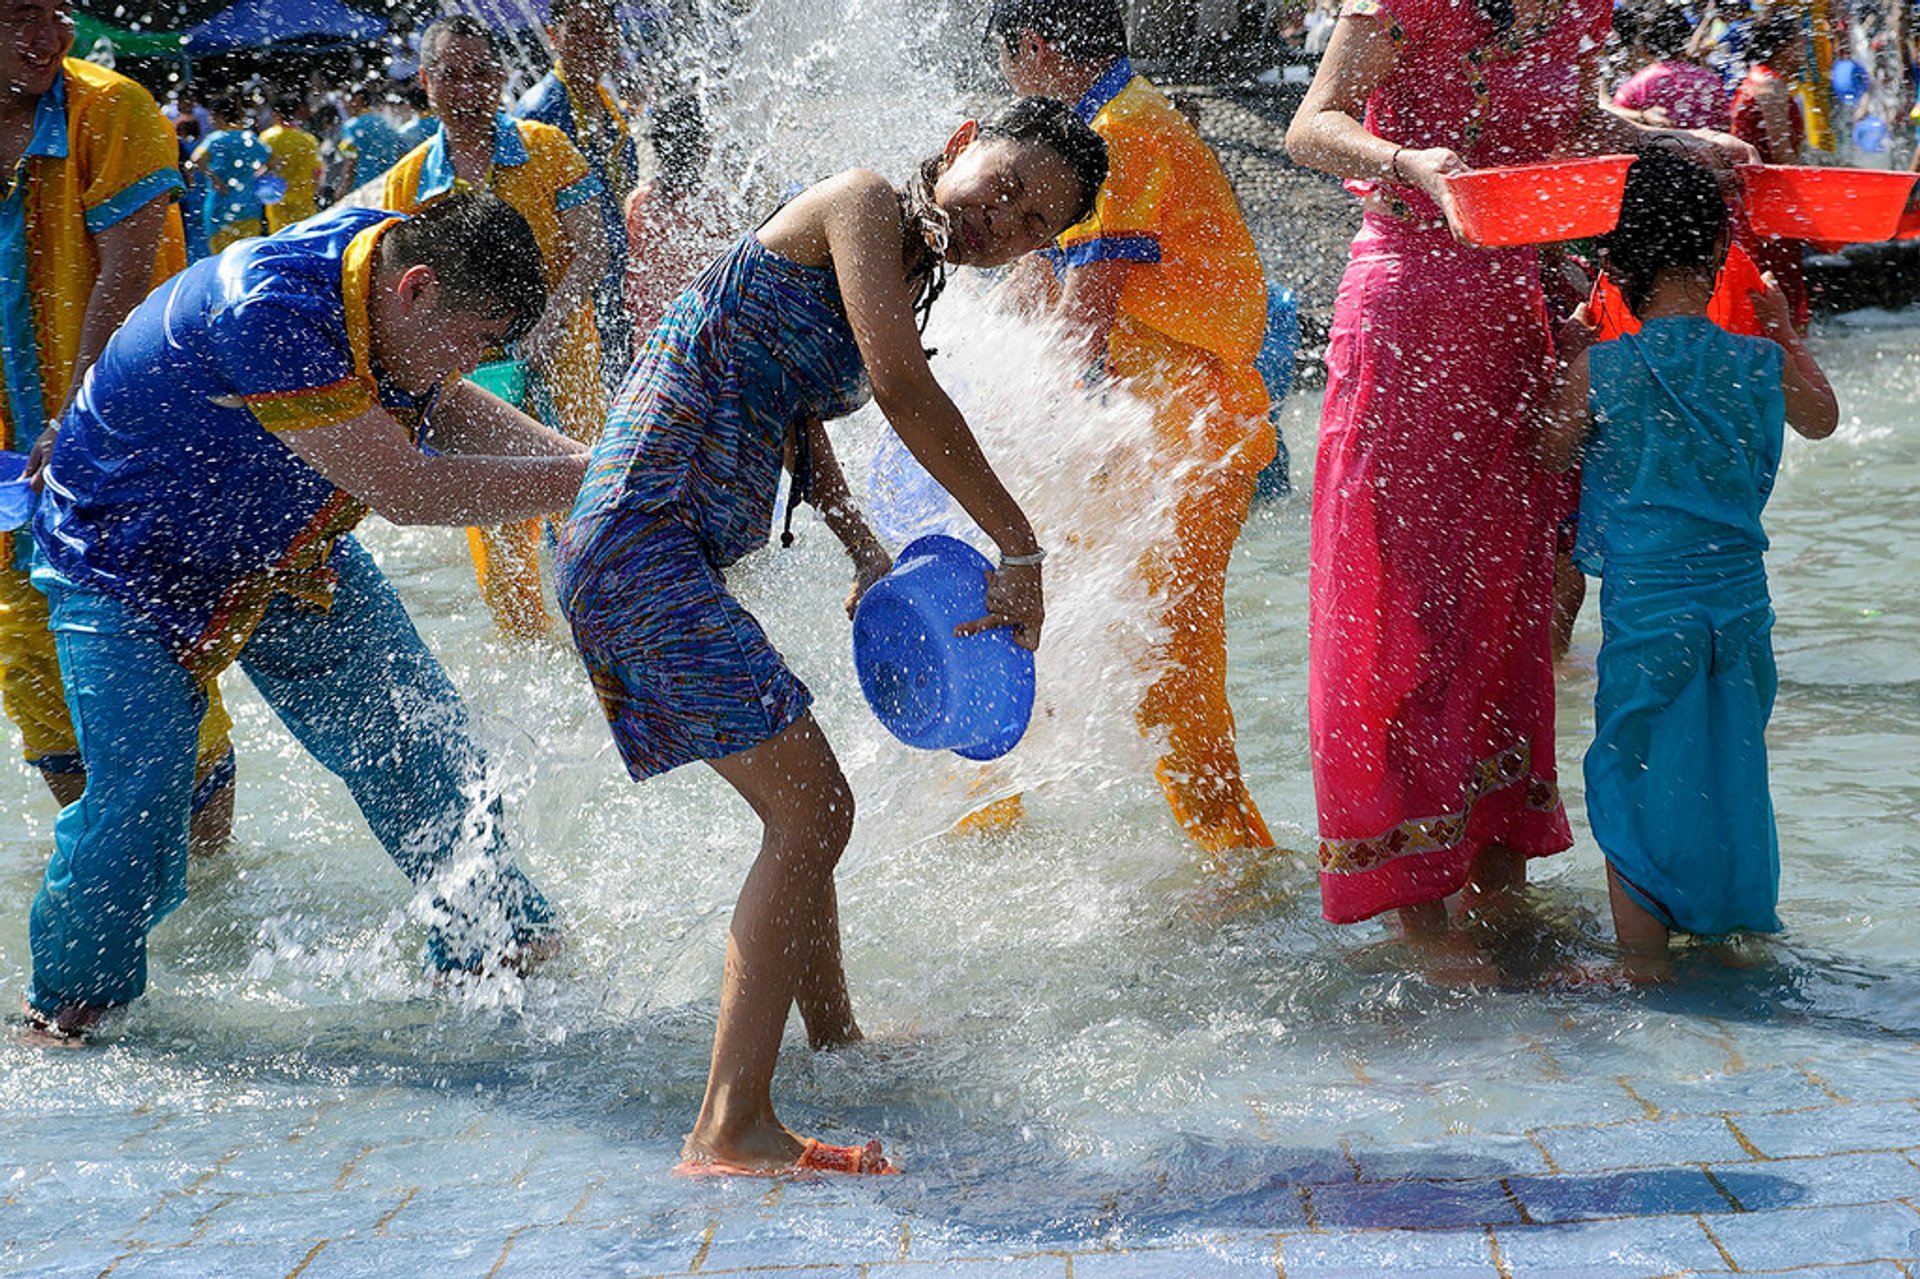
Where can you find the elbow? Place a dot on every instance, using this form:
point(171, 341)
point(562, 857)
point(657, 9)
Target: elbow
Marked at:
point(1299, 142)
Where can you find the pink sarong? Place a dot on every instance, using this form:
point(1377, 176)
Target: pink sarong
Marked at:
point(1431, 689)
point(1430, 698)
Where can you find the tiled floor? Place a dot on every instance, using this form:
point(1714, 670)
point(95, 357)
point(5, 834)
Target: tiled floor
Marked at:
point(285, 1186)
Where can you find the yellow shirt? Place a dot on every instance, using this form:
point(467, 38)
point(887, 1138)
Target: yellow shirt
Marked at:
point(541, 174)
point(1167, 206)
point(100, 151)
point(296, 158)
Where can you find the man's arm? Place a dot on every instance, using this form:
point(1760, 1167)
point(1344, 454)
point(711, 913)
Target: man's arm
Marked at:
point(371, 458)
point(470, 421)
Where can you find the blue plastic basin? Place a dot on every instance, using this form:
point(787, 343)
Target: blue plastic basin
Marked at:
point(931, 689)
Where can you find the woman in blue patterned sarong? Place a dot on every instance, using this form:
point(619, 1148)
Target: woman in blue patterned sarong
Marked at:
point(1682, 424)
point(792, 326)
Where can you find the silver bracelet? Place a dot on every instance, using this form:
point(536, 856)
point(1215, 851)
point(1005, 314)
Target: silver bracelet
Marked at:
point(1034, 560)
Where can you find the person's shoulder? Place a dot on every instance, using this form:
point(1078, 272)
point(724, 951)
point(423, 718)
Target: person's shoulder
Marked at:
point(544, 100)
point(87, 81)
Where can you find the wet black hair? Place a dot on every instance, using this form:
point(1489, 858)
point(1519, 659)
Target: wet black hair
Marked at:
point(561, 10)
point(1667, 32)
point(1046, 121)
point(482, 252)
point(1672, 218)
point(1498, 12)
point(456, 24)
point(1084, 30)
point(1772, 32)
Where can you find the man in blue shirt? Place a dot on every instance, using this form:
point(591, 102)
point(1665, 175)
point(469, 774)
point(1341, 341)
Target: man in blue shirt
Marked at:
point(197, 512)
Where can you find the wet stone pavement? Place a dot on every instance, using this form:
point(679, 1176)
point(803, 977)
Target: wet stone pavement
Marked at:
point(1756, 1167)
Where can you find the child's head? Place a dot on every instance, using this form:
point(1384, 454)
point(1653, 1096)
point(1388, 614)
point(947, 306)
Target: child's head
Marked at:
point(1011, 183)
point(1031, 36)
point(455, 278)
point(1672, 219)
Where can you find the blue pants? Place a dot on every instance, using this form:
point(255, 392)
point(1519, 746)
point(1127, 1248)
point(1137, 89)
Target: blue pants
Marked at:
point(354, 684)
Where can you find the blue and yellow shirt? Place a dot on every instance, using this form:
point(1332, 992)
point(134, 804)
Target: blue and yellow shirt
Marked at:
point(170, 487)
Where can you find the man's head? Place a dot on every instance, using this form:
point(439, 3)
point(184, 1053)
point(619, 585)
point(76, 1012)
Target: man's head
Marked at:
point(1044, 44)
point(456, 278)
point(461, 70)
point(1777, 40)
point(585, 38)
point(34, 36)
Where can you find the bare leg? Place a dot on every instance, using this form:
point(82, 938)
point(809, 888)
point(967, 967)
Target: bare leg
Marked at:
point(777, 946)
point(1569, 592)
point(1643, 939)
point(211, 829)
point(1427, 917)
point(1495, 883)
point(66, 787)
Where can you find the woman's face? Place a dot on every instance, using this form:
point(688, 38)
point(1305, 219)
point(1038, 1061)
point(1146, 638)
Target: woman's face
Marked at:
point(1004, 198)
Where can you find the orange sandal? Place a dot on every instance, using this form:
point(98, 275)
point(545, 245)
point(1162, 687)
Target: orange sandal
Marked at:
point(815, 1157)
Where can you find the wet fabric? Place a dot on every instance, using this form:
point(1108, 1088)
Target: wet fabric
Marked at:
point(1187, 329)
point(1689, 425)
point(355, 685)
point(296, 158)
point(682, 484)
point(682, 672)
point(536, 170)
point(1430, 696)
point(169, 487)
point(753, 345)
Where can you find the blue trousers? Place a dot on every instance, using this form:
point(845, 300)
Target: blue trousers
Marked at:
point(358, 688)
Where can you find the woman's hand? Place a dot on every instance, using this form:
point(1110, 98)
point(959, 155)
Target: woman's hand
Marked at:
point(1428, 169)
point(1576, 334)
point(869, 566)
point(1014, 599)
point(1770, 308)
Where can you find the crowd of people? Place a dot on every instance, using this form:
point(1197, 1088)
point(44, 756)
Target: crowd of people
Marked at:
point(206, 437)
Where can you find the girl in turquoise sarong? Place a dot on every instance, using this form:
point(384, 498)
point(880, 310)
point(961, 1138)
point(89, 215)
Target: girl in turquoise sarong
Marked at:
point(1682, 425)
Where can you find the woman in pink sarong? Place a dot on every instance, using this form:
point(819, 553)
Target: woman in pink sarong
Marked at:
point(1673, 90)
point(1431, 686)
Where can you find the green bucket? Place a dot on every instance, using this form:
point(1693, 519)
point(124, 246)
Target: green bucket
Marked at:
point(504, 378)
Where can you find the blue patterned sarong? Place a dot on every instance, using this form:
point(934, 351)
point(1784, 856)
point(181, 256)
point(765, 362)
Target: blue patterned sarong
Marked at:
point(682, 484)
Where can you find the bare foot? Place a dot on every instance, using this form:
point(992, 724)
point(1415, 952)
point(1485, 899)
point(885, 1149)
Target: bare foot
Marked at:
point(70, 1028)
point(1449, 957)
point(1625, 974)
point(766, 1147)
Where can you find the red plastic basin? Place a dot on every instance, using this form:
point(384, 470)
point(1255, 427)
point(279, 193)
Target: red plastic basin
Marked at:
point(1839, 206)
point(1540, 203)
point(1909, 225)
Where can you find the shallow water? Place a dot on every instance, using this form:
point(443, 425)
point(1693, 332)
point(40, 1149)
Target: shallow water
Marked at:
point(1076, 1031)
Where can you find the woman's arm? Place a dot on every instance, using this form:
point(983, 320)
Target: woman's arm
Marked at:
point(1602, 130)
point(834, 500)
point(1327, 132)
point(1812, 409)
point(858, 216)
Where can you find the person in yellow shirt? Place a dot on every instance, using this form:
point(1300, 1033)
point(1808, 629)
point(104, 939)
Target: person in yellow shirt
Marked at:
point(1164, 283)
point(89, 172)
point(535, 169)
point(296, 161)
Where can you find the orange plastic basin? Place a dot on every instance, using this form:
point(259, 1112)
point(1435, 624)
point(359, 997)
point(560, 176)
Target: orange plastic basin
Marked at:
point(1839, 206)
point(1540, 203)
